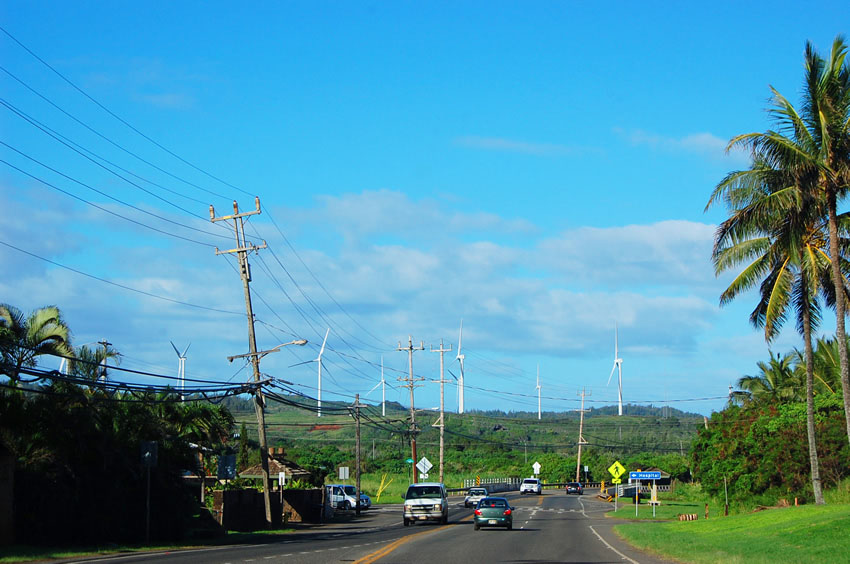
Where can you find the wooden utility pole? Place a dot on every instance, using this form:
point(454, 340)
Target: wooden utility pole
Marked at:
point(581, 440)
point(411, 384)
point(357, 447)
point(441, 422)
point(241, 250)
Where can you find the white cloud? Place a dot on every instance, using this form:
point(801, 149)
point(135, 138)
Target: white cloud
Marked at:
point(705, 144)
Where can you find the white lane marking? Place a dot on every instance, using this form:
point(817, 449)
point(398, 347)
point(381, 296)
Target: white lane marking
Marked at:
point(623, 556)
point(580, 502)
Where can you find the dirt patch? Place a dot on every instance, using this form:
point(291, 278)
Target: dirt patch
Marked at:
point(325, 428)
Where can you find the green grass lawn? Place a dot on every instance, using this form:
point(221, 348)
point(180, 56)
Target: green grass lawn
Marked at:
point(803, 534)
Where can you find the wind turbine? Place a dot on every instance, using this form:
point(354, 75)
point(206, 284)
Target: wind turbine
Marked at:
point(460, 357)
point(383, 385)
point(618, 366)
point(319, 361)
point(538, 392)
point(181, 367)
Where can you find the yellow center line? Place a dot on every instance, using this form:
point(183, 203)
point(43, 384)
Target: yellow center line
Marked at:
point(381, 552)
point(540, 500)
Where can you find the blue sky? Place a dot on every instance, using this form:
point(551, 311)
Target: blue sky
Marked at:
point(537, 169)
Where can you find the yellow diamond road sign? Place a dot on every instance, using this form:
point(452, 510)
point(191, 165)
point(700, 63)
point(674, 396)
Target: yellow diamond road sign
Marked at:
point(616, 469)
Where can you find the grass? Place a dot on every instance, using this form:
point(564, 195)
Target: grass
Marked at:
point(799, 534)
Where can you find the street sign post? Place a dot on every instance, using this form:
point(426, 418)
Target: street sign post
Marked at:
point(616, 470)
point(644, 475)
point(638, 476)
point(424, 465)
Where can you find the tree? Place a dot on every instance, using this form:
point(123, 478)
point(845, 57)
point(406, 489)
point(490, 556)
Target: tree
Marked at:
point(776, 228)
point(87, 361)
point(24, 339)
point(814, 145)
point(827, 366)
point(777, 381)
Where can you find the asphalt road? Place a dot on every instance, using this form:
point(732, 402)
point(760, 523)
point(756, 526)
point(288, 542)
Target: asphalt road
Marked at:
point(549, 528)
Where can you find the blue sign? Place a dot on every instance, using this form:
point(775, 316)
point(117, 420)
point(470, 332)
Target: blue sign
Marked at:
point(644, 475)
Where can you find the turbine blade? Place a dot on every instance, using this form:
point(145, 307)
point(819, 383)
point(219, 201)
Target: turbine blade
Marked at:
point(460, 338)
point(187, 348)
point(322, 350)
point(616, 342)
point(175, 348)
point(613, 368)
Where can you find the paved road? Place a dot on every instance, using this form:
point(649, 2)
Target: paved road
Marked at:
point(549, 528)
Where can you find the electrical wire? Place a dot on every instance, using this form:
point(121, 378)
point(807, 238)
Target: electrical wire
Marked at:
point(117, 285)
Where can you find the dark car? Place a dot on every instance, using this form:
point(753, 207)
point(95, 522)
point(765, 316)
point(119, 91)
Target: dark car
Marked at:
point(493, 512)
point(574, 488)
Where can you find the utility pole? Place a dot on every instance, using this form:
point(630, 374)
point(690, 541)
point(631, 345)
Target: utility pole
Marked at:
point(581, 440)
point(357, 447)
point(106, 344)
point(241, 250)
point(411, 384)
point(539, 413)
point(442, 422)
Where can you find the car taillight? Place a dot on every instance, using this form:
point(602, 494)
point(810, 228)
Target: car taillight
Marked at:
point(507, 512)
point(478, 512)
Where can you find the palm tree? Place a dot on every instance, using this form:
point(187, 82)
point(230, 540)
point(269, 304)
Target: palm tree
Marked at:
point(815, 144)
point(776, 381)
point(776, 225)
point(827, 366)
point(23, 339)
point(87, 362)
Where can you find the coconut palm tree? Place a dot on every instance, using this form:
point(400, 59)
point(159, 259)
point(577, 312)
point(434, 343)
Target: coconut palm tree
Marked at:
point(827, 366)
point(776, 381)
point(87, 362)
point(776, 225)
point(815, 144)
point(24, 338)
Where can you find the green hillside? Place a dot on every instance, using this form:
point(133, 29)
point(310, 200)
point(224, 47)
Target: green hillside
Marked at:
point(491, 443)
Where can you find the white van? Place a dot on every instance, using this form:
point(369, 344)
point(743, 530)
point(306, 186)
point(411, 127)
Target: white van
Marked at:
point(341, 496)
point(426, 501)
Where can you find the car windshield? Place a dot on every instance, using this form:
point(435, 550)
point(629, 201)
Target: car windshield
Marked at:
point(477, 492)
point(493, 503)
point(423, 491)
point(529, 481)
point(575, 485)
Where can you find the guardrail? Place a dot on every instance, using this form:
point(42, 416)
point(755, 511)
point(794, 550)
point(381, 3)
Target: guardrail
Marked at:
point(512, 484)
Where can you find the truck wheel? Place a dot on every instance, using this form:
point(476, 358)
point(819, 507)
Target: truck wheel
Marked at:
point(476, 526)
point(406, 522)
point(346, 505)
point(445, 519)
point(510, 526)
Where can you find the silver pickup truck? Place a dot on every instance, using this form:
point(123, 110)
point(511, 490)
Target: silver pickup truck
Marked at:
point(426, 501)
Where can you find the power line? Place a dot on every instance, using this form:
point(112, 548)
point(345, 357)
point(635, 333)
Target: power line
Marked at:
point(108, 111)
point(117, 285)
point(110, 141)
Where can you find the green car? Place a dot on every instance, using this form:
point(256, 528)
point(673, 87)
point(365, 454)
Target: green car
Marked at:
point(493, 512)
